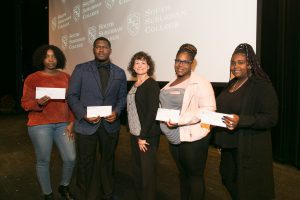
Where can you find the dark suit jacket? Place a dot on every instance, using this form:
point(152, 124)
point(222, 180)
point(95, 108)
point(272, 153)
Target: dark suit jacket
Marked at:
point(85, 90)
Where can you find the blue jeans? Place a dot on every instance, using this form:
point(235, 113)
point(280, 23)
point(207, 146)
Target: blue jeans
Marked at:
point(42, 137)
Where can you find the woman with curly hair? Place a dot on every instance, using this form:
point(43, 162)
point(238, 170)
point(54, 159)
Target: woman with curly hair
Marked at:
point(142, 105)
point(50, 120)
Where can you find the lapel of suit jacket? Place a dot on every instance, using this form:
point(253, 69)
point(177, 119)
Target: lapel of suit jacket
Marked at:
point(95, 73)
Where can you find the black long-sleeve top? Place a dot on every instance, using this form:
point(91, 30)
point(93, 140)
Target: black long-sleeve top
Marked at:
point(147, 103)
point(258, 114)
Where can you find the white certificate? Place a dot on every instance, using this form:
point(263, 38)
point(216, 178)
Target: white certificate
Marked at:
point(213, 118)
point(168, 115)
point(102, 111)
point(53, 93)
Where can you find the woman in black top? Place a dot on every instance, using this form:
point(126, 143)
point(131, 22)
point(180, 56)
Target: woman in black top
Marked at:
point(246, 149)
point(142, 105)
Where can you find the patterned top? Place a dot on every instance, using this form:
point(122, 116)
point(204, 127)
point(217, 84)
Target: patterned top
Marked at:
point(133, 118)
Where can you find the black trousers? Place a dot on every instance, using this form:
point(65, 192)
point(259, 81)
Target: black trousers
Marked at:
point(144, 168)
point(190, 158)
point(93, 177)
point(229, 170)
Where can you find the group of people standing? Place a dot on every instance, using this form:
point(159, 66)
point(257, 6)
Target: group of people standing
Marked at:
point(245, 142)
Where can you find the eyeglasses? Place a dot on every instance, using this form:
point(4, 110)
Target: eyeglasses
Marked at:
point(184, 62)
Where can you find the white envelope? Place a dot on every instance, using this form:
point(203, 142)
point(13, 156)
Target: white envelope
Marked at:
point(213, 118)
point(167, 115)
point(102, 111)
point(53, 93)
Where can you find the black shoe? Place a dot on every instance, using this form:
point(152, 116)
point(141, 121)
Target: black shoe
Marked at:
point(49, 196)
point(65, 193)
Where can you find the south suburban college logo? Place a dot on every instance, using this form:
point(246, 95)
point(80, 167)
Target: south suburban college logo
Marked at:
point(92, 34)
point(64, 41)
point(54, 23)
point(133, 24)
point(109, 3)
point(76, 13)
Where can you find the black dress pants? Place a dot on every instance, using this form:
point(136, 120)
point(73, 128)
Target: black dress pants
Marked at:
point(190, 158)
point(92, 177)
point(144, 168)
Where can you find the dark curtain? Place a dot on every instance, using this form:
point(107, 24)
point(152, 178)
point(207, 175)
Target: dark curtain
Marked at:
point(280, 57)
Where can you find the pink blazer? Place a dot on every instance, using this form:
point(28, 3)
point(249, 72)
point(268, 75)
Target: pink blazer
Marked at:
point(199, 95)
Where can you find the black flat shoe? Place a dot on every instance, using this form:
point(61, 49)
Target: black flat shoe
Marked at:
point(65, 193)
point(49, 196)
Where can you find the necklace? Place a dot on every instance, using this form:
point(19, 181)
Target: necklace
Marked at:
point(235, 86)
point(141, 80)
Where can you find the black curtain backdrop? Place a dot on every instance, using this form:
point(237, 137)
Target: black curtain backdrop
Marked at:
point(279, 44)
point(280, 57)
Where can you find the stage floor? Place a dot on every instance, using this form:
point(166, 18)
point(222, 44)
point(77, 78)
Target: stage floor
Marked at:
point(18, 178)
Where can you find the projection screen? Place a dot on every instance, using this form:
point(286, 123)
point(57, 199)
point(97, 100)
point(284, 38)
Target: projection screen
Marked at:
point(157, 27)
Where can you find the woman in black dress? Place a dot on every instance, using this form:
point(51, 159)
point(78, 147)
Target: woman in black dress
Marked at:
point(245, 144)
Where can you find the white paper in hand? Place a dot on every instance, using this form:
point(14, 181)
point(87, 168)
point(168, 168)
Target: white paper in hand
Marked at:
point(168, 115)
point(213, 118)
point(95, 111)
point(53, 93)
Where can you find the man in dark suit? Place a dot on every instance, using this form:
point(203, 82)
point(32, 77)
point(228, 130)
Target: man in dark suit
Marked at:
point(97, 83)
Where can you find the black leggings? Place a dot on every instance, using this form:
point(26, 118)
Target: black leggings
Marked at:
point(190, 158)
point(228, 170)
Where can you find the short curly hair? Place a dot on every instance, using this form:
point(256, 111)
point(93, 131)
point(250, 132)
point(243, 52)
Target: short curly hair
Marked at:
point(141, 56)
point(40, 54)
point(103, 39)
